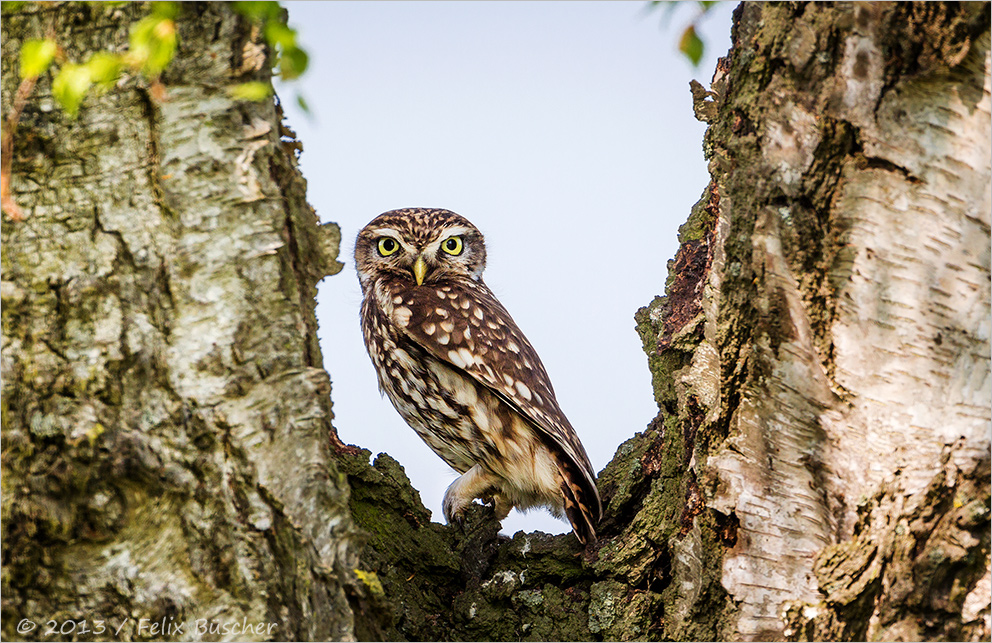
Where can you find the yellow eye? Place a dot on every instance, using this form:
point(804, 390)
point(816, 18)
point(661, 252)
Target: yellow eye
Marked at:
point(453, 246)
point(387, 246)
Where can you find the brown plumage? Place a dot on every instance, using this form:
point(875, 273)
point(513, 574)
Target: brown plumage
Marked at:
point(460, 372)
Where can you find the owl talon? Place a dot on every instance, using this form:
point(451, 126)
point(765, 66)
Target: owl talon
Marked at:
point(500, 505)
point(490, 507)
point(454, 509)
point(474, 483)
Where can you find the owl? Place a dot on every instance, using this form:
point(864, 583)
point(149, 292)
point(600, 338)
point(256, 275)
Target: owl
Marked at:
point(459, 371)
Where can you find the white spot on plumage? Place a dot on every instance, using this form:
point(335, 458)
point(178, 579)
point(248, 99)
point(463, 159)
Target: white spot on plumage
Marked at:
point(441, 312)
point(447, 326)
point(417, 398)
point(429, 328)
point(513, 347)
point(481, 418)
point(478, 313)
point(443, 338)
point(401, 315)
point(398, 299)
point(456, 359)
point(523, 390)
point(403, 358)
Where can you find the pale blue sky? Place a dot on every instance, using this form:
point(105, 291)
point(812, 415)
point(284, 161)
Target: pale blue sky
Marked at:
point(563, 130)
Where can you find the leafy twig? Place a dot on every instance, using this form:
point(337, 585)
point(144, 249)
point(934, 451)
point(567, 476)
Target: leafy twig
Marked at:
point(36, 56)
point(7, 201)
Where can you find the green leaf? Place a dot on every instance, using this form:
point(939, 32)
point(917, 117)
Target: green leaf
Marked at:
point(691, 45)
point(168, 10)
point(105, 68)
point(282, 39)
point(252, 91)
point(36, 56)
point(258, 11)
point(303, 104)
point(153, 44)
point(280, 35)
point(70, 87)
point(292, 63)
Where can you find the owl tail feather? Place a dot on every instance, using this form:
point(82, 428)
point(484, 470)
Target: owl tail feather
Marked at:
point(580, 506)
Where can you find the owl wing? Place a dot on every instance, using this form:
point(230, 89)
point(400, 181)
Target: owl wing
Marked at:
point(463, 324)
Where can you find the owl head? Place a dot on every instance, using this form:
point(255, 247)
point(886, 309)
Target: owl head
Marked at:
point(420, 245)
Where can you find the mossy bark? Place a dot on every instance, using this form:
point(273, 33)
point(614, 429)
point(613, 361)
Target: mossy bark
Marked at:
point(818, 469)
point(166, 419)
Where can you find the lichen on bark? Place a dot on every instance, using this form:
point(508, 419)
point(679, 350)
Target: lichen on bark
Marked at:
point(165, 410)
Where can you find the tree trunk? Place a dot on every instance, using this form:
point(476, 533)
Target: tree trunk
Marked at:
point(165, 410)
point(842, 341)
point(819, 468)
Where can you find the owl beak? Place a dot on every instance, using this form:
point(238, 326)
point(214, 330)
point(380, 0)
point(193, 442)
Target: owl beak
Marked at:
point(420, 270)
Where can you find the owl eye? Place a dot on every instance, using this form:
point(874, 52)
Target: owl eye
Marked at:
point(453, 246)
point(387, 246)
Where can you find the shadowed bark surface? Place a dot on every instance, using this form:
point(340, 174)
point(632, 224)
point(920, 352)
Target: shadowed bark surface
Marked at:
point(818, 469)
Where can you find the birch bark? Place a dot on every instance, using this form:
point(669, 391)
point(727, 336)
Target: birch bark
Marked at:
point(848, 301)
point(165, 411)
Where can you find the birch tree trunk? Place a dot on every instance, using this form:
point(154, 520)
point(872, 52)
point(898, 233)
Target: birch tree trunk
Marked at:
point(165, 411)
point(819, 468)
point(840, 360)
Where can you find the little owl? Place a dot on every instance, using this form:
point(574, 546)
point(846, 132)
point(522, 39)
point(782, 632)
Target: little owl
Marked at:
point(460, 372)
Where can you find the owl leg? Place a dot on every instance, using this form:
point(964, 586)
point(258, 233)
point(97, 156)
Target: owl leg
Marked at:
point(474, 483)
